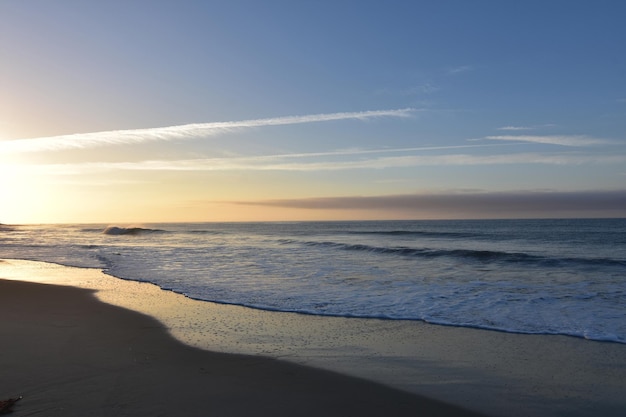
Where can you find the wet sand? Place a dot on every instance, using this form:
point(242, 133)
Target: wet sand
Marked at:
point(69, 354)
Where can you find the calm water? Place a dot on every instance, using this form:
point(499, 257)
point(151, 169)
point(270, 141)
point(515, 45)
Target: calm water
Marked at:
point(529, 276)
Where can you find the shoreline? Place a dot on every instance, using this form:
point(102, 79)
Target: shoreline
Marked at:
point(69, 354)
point(493, 372)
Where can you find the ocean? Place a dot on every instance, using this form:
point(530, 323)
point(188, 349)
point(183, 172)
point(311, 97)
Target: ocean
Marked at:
point(560, 277)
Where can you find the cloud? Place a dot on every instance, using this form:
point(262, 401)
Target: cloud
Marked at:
point(297, 162)
point(521, 128)
point(188, 131)
point(515, 128)
point(563, 140)
point(459, 69)
point(480, 204)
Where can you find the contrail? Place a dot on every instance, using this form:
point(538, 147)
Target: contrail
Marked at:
point(188, 131)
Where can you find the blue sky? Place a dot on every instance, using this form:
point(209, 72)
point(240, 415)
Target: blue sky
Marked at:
point(143, 111)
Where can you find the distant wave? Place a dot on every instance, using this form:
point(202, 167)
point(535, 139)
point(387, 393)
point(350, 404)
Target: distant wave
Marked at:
point(205, 232)
point(115, 231)
point(476, 255)
point(417, 233)
point(6, 228)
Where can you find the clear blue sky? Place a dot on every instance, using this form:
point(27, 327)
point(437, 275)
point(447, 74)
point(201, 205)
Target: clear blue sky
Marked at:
point(410, 109)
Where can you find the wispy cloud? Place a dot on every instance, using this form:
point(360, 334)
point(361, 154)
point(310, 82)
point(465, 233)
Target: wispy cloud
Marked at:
point(460, 69)
point(515, 128)
point(563, 140)
point(188, 131)
point(291, 162)
point(522, 128)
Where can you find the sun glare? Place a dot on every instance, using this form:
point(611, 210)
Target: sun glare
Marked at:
point(21, 193)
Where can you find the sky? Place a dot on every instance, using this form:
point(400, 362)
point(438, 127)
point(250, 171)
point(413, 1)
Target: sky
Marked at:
point(132, 111)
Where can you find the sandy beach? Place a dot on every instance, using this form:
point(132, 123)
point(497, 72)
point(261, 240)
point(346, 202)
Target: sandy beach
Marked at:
point(69, 354)
point(95, 345)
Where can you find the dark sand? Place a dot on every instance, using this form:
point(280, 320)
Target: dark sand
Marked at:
point(70, 355)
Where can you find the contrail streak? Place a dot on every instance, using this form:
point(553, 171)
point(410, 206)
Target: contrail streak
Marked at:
point(188, 131)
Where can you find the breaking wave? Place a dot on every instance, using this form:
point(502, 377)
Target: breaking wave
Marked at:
point(6, 228)
point(116, 231)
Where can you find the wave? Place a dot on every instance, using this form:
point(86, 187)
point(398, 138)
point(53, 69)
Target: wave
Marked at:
point(205, 232)
point(453, 235)
point(468, 254)
point(116, 231)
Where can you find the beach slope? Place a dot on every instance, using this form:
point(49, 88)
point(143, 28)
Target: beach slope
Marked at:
point(69, 354)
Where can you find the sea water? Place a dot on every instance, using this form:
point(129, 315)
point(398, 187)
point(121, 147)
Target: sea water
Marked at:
point(563, 277)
